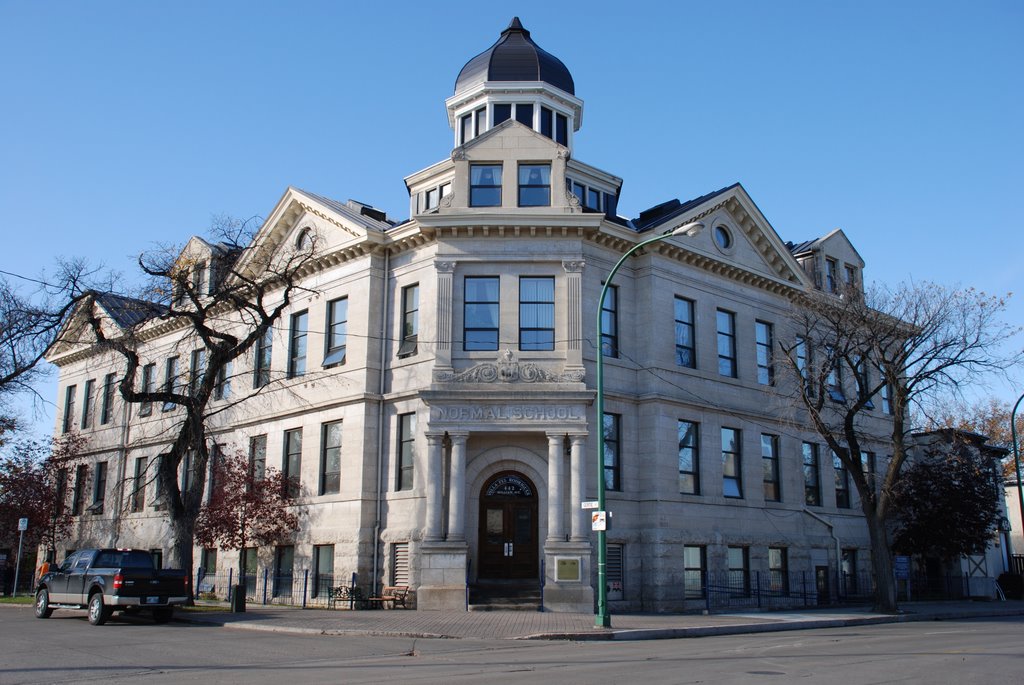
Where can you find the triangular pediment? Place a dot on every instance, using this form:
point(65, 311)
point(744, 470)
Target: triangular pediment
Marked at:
point(507, 136)
point(116, 314)
point(303, 221)
point(737, 237)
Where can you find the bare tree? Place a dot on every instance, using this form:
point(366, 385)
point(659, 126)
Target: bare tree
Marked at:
point(29, 323)
point(221, 300)
point(989, 417)
point(897, 349)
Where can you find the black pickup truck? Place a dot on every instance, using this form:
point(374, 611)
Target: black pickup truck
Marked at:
point(107, 580)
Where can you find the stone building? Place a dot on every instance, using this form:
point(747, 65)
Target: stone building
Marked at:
point(432, 394)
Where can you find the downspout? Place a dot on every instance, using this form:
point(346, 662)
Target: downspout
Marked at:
point(831, 531)
point(380, 421)
point(121, 470)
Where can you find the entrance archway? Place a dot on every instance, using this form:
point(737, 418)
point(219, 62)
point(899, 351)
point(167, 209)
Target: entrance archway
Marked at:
point(508, 528)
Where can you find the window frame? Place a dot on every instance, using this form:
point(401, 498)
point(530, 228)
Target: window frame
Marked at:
point(197, 370)
point(336, 335)
point(88, 390)
point(736, 456)
point(689, 442)
point(99, 487)
point(258, 456)
point(410, 321)
point(771, 468)
point(467, 304)
point(541, 168)
point(727, 338)
point(610, 322)
point(497, 183)
point(69, 408)
point(611, 433)
point(842, 475)
point(298, 343)
point(137, 498)
point(172, 374)
point(107, 401)
point(811, 465)
point(330, 480)
point(684, 325)
point(764, 340)
point(78, 493)
point(262, 357)
point(778, 570)
point(700, 570)
point(405, 452)
point(742, 571)
point(291, 463)
point(147, 384)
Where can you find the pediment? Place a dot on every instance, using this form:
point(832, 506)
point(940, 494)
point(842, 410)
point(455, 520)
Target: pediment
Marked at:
point(836, 244)
point(753, 249)
point(509, 138)
point(302, 221)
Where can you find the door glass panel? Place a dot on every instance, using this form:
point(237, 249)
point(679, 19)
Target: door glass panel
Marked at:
point(495, 526)
point(523, 524)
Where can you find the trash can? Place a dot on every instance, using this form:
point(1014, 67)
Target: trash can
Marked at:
point(238, 598)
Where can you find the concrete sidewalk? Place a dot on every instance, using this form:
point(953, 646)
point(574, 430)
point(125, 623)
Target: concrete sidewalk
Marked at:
point(532, 625)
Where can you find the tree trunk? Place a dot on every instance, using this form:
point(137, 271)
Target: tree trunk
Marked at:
point(881, 562)
point(182, 540)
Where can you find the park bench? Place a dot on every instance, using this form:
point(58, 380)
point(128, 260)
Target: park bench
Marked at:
point(396, 594)
point(344, 594)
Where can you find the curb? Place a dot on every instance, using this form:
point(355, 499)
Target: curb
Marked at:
point(630, 634)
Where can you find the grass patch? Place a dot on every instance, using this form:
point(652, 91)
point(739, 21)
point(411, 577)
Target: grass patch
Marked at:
point(20, 599)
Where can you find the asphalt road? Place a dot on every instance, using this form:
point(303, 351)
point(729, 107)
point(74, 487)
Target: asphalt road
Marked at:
point(66, 649)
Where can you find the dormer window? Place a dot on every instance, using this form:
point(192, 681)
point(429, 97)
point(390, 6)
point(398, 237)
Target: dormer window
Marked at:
point(199, 279)
point(534, 185)
point(485, 185)
point(830, 275)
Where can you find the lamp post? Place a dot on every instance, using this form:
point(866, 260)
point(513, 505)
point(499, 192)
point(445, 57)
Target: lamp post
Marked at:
point(603, 619)
point(1016, 457)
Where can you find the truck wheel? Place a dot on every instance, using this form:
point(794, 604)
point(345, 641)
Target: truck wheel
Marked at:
point(43, 609)
point(163, 614)
point(98, 614)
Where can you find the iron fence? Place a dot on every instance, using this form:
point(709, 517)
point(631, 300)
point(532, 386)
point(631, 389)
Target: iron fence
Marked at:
point(301, 588)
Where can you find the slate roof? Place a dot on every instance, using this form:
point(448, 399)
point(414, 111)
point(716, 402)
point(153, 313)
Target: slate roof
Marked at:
point(515, 57)
point(666, 210)
point(361, 213)
point(127, 311)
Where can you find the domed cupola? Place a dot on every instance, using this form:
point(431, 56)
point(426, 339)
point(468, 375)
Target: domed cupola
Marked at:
point(515, 79)
point(515, 57)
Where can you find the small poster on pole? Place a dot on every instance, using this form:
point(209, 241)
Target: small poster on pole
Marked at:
point(598, 520)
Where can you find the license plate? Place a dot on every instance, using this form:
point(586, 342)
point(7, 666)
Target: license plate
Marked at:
point(151, 600)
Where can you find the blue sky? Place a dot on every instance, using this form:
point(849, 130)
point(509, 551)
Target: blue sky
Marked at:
point(127, 124)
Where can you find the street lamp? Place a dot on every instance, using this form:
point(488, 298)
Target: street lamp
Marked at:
point(1016, 457)
point(603, 619)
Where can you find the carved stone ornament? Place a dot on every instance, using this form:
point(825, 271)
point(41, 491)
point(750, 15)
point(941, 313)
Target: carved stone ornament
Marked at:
point(563, 153)
point(459, 154)
point(507, 369)
point(573, 266)
point(570, 197)
point(446, 201)
point(445, 267)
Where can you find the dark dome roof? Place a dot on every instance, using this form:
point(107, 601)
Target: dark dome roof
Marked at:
point(515, 57)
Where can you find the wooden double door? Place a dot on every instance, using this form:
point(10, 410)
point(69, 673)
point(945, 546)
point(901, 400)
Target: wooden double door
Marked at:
point(508, 528)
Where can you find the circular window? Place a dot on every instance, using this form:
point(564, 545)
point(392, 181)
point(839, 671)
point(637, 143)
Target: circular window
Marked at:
point(722, 237)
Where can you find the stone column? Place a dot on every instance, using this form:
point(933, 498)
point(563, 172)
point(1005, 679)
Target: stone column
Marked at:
point(435, 478)
point(577, 492)
point(443, 336)
point(556, 487)
point(457, 489)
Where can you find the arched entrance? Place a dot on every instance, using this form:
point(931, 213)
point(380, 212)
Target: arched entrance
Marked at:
point(508, 528)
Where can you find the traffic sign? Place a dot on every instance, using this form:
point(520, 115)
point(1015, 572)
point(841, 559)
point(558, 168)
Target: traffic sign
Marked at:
point(22, 524)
